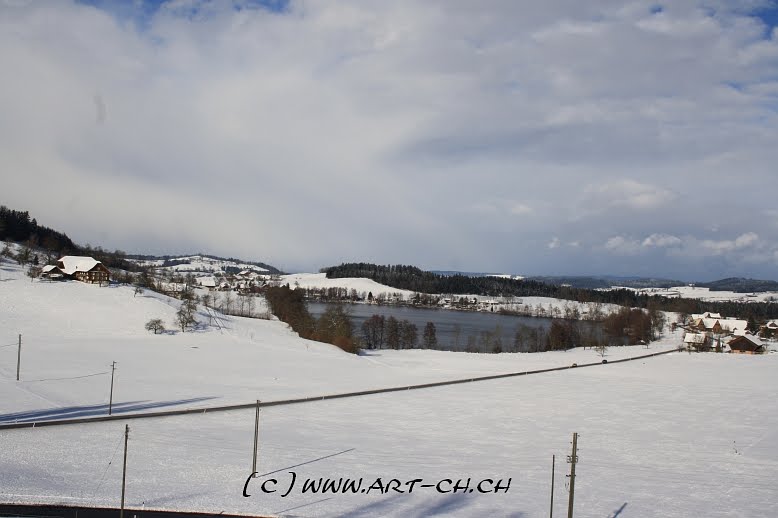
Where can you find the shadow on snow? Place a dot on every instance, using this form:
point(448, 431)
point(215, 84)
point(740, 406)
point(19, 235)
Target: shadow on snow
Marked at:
point(92, 410)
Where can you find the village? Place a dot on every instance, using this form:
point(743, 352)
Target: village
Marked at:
point(704, 332)
point(712, 332)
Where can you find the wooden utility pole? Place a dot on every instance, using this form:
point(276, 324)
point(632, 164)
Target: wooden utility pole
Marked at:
point(256, 440)
point(572, 459)
point(110, 395)
point(124, 468)
point(551, 510)
point(19, 358)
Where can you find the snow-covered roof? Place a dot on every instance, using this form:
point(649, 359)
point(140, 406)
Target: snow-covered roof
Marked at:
point(730, 325)
point(707, 314)
point(772, 324)
point(48, 268)
point(748, 336)
point(207, 282)
point(71, 264)
point(694, 338)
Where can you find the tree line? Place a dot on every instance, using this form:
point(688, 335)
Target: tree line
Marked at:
point(411, 278)
point(334, 326)
point(20, 227)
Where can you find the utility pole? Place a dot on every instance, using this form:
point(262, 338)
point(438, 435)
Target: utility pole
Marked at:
point(19, 358)
point(256, 440)
point(124, 468)
point(551, 510)
point(573, 460)
point(110, 395)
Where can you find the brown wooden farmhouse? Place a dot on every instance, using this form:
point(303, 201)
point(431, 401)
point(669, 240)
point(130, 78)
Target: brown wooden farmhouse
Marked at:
point(747, 344)
point(84, 269)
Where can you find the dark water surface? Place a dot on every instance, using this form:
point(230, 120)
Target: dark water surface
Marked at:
point(447, 321)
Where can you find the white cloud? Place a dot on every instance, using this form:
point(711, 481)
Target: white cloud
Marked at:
point(520, 209)
point(554, 243)
point(622, 246)
point(716, 247)
point(662, 241)
point(627, 193)
point(355, 130)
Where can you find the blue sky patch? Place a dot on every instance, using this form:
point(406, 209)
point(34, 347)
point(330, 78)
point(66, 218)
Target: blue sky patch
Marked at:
point(141, 11)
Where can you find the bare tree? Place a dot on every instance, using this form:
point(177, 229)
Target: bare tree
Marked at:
point(156, 325)
point(23, 257)
point(185, 316)
point(227, 302)
point(33, 272)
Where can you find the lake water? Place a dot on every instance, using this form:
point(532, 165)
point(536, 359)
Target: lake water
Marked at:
point(447, 321)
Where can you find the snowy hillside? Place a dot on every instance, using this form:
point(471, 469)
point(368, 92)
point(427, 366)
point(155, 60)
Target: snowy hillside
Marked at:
point(200, 264)
point(696, 292)
point(673, 436)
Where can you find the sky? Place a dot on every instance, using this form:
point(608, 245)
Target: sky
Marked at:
point(560, 137)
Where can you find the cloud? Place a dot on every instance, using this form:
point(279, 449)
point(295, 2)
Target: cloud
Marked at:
point(307, 133)
point(622, 246)
point(554, 243)
point(746, 240)
point(628, 194)
point(520, 208)
point(662, 241)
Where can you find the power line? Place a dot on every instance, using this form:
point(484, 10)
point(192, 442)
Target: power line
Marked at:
point(70, 378)
point(102, 479)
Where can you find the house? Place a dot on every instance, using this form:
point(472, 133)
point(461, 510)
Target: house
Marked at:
point(746, 344)
point(718, 325)
point(770, 329)
point(707, 314)
point(51, 272)
point(207, 282)
point(82, 268)
point(697, 341)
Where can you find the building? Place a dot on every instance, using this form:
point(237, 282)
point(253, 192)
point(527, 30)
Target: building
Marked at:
point(746, 344)
point(715, 324)
point(82, 268)
point(697, 341)
point(51, 272)
point(770, 329)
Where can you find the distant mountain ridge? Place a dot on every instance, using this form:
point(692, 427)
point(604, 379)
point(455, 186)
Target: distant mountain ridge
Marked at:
point(740, 285)
point(608, 281)
point(592, 282)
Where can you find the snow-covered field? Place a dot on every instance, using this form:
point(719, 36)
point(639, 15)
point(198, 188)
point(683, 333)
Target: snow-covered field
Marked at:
point(696, 292)
point(320, 280)
point(673, 436)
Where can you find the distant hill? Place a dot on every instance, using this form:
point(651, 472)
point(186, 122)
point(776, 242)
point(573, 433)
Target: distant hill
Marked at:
point(608, 281)
point(203, 263)
point(579, 281)
point(740, 285)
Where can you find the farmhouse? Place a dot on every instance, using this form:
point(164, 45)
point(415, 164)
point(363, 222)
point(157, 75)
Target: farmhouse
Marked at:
point(51, 272)
point(82, 268)
point(717, 325)
point(746, 344)
point(697, 341)
point(770, 329)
